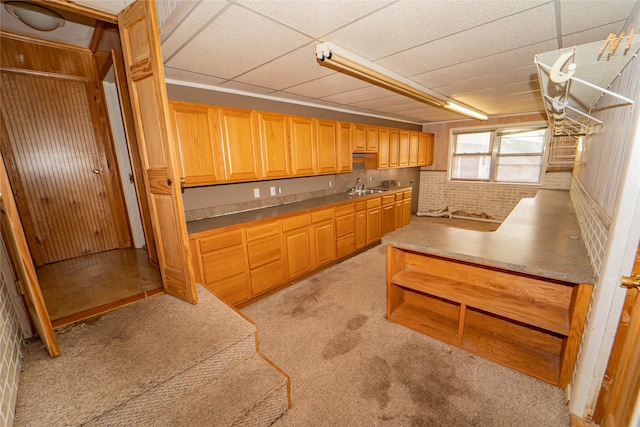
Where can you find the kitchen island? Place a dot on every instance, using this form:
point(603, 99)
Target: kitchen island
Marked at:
point(518, 296)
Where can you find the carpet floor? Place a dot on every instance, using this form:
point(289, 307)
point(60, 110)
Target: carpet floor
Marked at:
point(349, 366)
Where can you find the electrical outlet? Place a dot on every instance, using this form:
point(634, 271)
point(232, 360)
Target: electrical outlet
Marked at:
point(256, 193)
point(279, 190)
point(330, 184)
point(370, 178)
point(273, 191)
point(397, 183)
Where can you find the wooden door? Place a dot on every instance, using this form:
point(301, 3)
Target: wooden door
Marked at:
point(383, 148)
point(195, 129)
point(361, 229)
point(297, 244)
point(388, 218)
point(18, 250)
point(621, 386)
point(374, 222)
point(303, 147)
point(345, 147)
point(145, 77)
point(276, 148)
point(327, 146)
point(324, 242)
point(57, 165)
point(372, 139)
point(241, 142)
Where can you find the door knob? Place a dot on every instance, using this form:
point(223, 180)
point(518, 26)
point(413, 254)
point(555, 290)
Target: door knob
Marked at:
point(96, 171)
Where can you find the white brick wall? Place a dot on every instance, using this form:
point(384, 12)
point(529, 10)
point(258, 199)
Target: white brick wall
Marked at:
point(10, 343)
point(594, 224)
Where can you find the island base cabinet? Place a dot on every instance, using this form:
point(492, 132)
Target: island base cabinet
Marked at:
point(530, 324)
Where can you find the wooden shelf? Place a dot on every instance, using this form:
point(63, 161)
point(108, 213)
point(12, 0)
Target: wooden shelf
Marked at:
point(522, 308)
point(526, 323)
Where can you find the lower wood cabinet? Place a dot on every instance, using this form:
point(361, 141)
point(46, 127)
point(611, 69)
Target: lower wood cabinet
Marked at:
point(243, 261)
point(297, 245)
point(406, 208)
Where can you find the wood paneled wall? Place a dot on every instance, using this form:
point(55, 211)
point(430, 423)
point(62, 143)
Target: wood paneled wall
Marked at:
point(58, 150)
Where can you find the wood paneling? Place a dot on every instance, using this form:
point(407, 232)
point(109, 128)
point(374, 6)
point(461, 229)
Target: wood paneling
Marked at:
point(50, 129)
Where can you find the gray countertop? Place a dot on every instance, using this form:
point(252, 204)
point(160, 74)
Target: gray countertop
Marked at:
point(207, 224)
point(540, 237)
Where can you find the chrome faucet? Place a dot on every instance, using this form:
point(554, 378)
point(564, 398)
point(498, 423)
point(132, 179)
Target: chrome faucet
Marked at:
point(357, 181)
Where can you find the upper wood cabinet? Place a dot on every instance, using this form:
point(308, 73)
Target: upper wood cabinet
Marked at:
point(274, 141)
point(345, 147)
point(425, 149)
point(372, 138)
point(303, 146)
point(359, 137)
point(404, 148)
point(326, 146)
point(241, 144)
point(414, 143)
point(383, 148)
point(195, 128)
point(394, 148)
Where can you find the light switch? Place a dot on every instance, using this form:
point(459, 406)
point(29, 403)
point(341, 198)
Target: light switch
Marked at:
point(273, 191)
point(256, 193)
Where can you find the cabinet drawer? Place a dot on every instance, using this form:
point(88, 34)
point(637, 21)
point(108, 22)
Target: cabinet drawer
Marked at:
point(266, 277)
point(345, 210)
point(399, 196)
point(223, 264)
point(373, 203)
point(261, 231)
point(345, 225)
point(360, 206)
point(264, 251)
point(323, 215)
point(407, 194)
point(387, 200)
point(296, 222)
point(221, 241)
point(233, 291)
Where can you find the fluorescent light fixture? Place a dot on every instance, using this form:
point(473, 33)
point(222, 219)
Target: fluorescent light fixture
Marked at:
point(336, 58)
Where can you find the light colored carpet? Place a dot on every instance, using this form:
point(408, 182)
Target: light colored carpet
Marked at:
point(350, 366)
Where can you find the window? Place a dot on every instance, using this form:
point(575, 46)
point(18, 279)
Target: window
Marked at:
point(499, 155)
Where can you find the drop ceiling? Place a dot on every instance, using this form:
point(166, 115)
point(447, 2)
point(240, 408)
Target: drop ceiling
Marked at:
point(477, 52)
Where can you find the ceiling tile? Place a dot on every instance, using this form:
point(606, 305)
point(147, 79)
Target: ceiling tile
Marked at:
point(522, 29)
point(407, 24)
point(315, 18)
point(328, 85)
point(366, 93)
point(245, 34)
point(246, 87)
point(490, 81)
point(592, 35)
point(190, 26)
point(188, 76)
point(578, 16)
point(381, 102)
point(295, 68)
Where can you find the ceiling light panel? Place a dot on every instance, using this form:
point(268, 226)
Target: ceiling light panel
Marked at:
point(245, 46)
point(518, 30)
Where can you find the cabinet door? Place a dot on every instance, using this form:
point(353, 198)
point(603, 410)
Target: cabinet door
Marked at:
point(297, 245)
point(404, 148)
point(359, 138)
point(361, 229)
point(372, 138)
point(274, 141)
point(406, 211)
point(383, 148)
point(241, 143)
point(345, 147)
point(414, 144)
point(324, 242)
point(399, 214)
point(388, 218)
point(374, 221)
point(326, 146)
point(422, 149)
point(195, 128)
point(430, 146)
point(303, 146)
point(394, 148)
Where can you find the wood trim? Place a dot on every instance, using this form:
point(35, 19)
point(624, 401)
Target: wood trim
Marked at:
point(44, 42)
point(44, 74)
point(580, 300)
point(79, 9)
point(96, 36)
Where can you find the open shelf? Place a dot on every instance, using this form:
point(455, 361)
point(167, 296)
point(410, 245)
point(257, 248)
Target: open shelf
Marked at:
point(527, 323)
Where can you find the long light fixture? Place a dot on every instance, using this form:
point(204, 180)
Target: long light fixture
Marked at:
point(334, 57)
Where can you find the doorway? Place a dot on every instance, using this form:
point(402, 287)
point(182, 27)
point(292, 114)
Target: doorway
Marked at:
point(64, 171)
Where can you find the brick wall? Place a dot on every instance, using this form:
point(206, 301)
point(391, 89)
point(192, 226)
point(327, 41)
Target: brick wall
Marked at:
point(487, 201)
point(10, 342)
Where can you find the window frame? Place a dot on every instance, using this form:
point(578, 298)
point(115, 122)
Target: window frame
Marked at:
point(494, 151)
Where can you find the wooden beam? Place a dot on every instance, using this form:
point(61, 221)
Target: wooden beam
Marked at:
point(97, 36)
